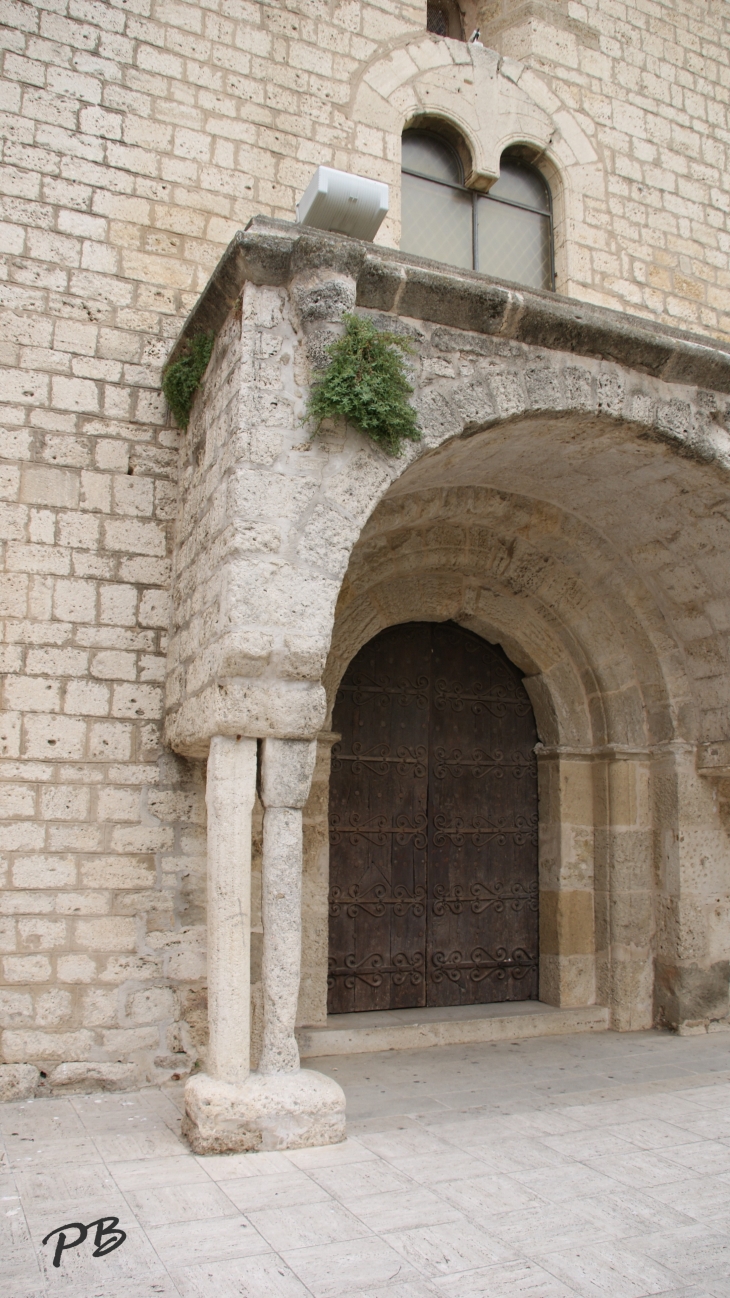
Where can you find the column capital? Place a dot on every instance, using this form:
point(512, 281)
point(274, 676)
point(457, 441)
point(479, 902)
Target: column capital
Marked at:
point(287, 766)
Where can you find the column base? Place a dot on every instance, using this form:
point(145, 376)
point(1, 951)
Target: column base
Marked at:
point(267, 1111)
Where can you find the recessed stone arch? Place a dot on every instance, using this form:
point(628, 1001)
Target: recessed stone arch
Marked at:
point(532, 577)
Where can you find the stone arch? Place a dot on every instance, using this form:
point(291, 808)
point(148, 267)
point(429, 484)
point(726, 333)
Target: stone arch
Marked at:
point(614, 695)
point(482, 576)
point(505, 567)
point(626, 687)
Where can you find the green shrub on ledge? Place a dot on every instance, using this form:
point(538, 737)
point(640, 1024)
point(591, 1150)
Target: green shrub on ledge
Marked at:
point(181, 380)
point(366, 383)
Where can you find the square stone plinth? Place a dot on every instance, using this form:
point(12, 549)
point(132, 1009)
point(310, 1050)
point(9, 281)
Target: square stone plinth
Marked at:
point(266, 1112)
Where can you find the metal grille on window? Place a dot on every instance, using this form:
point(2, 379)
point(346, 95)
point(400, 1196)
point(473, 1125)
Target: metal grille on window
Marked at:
point(437, 20)
point(506, 233)
point(513, 227)
point(436, 208)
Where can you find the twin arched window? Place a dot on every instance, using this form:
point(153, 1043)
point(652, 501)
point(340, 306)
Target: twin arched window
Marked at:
point(506, 233)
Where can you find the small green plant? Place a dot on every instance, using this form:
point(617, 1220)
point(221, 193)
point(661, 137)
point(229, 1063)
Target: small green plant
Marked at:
point(366, 383)
point(180, 380)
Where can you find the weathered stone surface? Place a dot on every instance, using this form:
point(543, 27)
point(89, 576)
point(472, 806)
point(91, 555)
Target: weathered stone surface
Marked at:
point(287, 766)
point(462, 300)
point(286, 1111)
point(18, 1081)
point(94, 1077)
point(231, 788)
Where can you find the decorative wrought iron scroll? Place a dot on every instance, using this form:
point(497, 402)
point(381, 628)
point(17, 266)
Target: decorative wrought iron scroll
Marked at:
point(376, 830)
point(481, 898)
point(483, 831)
point(373, 969)
point(380, 760)
point(375, 901)
point(480, 763)
point(495, 698)
point(503, 964)
point(364, 687)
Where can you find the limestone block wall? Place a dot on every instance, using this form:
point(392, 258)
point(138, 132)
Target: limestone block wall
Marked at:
point(648, 84)
point(102, 838)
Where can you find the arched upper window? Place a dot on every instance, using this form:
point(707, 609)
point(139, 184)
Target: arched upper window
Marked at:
point(506, 233)
point(443, 18)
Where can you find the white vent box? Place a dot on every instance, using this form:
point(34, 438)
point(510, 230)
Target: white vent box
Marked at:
point(343, 203)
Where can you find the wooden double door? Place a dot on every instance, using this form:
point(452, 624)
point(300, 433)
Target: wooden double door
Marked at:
point(433, 826)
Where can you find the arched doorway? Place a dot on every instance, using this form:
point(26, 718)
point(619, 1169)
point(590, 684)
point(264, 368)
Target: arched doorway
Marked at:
point(433, 825)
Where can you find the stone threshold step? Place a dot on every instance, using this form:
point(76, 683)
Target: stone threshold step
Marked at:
point(459, 1025)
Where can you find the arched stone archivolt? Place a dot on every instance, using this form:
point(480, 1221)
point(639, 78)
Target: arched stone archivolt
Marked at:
point(540, 582)
point(614, 692)
point(552, 586)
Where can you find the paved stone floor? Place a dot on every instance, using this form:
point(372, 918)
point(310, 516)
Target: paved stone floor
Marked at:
point(584, 1165)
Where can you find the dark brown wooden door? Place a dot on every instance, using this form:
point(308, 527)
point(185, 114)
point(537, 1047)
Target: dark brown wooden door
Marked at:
point(433, 825)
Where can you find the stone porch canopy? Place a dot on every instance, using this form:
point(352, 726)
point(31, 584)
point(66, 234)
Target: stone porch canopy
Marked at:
point(570, 501)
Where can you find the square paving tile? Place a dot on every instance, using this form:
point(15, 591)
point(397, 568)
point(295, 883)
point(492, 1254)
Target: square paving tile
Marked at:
point(508, 1280)
point(608, 1271)
point(219, 1239)
point(429, 1169)
point(349, 1151)
point(448, 1248)
point(307, 1224)
point(171, 1203)
point(264, 1276)
point(332, 1270)
point(231, 1167)
point(408, 1289)
point(284, 1190)
point(565, 1182)
point(403, 1209)
point(546, 1225)
point(156, 1173)
point(353, 1180)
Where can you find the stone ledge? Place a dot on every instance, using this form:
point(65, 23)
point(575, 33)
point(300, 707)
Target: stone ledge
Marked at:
point(352, 1034)
point(271, 252)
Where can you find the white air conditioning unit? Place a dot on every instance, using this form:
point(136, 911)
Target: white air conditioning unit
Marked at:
point(343, 203)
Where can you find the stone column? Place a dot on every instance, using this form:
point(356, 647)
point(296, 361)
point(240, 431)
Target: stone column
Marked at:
point(229, 796)
point(286, 775)
point(631, 909)
point(567, 878)
point(281, 1106)
point(693, 903)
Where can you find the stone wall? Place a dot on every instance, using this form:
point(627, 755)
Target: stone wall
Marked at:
point(137, 138)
